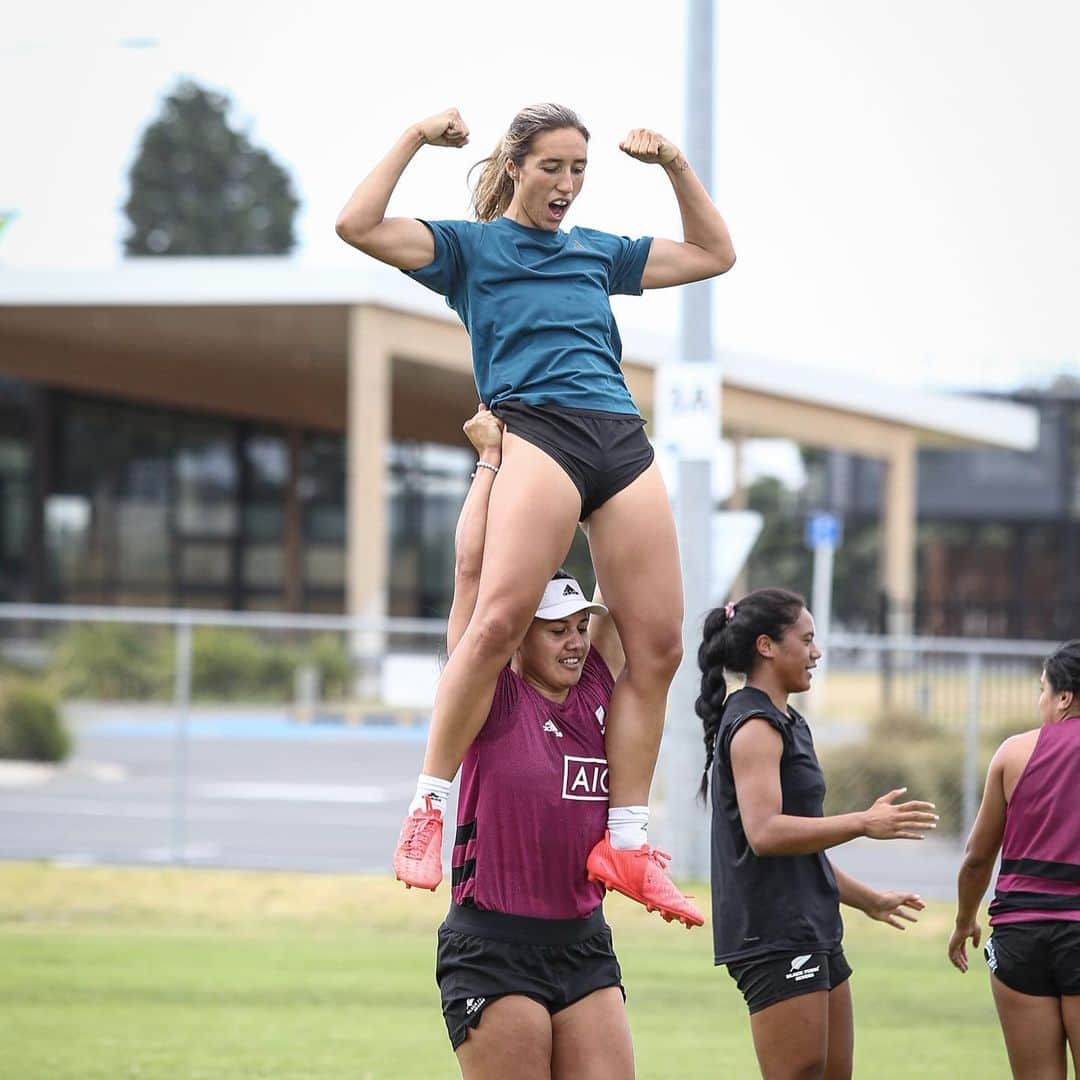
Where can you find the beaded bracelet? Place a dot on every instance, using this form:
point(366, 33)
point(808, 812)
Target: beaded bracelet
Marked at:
point(483, 465)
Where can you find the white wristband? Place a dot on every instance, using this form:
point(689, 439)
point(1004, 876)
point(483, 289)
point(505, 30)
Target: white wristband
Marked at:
point(483, 465)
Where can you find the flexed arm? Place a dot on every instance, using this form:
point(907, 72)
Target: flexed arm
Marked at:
point(402, 242)
point(705, 249)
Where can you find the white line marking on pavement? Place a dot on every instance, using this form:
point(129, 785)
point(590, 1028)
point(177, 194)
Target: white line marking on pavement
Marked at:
point(23, 774)
point(189, 853)
point(280, 792)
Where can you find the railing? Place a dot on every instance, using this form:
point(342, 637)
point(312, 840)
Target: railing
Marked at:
point(316, 676)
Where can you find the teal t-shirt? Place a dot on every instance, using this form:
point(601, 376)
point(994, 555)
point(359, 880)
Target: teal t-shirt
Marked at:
point(535, 304)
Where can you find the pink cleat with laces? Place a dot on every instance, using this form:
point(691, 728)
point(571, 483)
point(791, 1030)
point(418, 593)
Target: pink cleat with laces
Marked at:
point(641, 874)
point(418, 858)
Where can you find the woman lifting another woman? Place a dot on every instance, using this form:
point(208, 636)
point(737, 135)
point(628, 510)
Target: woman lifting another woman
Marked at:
point(529, 980)
point(546, 357)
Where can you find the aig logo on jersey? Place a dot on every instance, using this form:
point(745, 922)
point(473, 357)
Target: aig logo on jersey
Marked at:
point(585, 779)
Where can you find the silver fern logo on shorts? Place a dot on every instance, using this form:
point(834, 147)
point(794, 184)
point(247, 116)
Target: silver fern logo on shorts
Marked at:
point(991, 956)
point(799, 972)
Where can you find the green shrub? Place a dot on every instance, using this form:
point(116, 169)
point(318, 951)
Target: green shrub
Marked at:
point(237, 665)
point(328, 654)
point(931, 769)
point(31, 728)
point(118, 662)
point(113, 662)
point(904, 721)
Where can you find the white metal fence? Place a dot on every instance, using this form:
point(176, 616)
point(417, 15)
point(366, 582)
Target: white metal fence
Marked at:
point(265, 739)
point(285, 702)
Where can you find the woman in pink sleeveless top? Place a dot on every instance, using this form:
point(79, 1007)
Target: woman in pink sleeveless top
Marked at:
point(1031, 813)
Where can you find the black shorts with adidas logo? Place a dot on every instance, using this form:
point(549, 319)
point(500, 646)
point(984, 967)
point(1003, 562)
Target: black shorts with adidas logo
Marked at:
point(1040, 958)
point(486, 955)
point(769, 979)
point(601, 452)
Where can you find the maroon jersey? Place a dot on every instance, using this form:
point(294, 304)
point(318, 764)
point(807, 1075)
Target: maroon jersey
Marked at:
point(1040, 851)
point(534, 799)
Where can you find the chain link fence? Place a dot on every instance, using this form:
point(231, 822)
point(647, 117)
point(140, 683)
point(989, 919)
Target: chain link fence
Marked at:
point(922, 713)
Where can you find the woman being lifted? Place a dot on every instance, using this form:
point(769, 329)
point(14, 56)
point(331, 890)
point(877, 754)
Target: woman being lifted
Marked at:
point(546, 358)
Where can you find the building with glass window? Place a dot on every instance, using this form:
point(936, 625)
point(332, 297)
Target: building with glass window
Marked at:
point(251, 433)
point(999, 530)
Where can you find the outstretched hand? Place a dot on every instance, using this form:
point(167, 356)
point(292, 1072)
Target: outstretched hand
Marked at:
point(889, 820)
point(892, 907)
point(649, 146)
point(958, 944)
point(444, 129)
point(484, 430)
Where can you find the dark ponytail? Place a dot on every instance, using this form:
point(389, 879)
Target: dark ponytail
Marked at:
point(729, 641)
point(1062, 669)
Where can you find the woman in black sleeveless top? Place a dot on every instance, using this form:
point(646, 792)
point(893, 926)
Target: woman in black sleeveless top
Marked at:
point(776, 896)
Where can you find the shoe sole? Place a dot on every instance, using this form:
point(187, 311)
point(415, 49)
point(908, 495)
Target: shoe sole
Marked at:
point(666, 913)
point(417, 885)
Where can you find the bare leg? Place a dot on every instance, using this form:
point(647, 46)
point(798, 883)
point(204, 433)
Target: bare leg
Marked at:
point(841, 1060)
point(513, 1038)
point(1034, 1032)
point(531, 520)
point(1070, 1015)
point(791, 1038)
point(636, 555)
point(591, 1039)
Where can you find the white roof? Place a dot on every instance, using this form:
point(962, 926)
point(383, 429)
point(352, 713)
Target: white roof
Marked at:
point(267, 281)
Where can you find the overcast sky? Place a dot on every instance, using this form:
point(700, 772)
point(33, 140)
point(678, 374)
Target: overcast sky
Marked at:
point(900, 176)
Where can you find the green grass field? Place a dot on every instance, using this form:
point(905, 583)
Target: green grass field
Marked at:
point(110, 974)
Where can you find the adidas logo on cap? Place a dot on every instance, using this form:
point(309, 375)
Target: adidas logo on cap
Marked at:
point(569, 590)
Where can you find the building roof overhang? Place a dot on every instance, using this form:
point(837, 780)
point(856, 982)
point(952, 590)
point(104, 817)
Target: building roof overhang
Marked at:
point(40, 301)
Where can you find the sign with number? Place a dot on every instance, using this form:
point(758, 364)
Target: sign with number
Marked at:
point(688, 409)
point(823, 530)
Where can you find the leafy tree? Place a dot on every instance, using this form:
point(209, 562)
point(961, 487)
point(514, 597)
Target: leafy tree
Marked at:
point(780, 557)
point(199, 187)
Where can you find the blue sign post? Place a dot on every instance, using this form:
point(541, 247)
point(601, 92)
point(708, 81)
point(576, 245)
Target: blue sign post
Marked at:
point(823, 534)
point(823, 531)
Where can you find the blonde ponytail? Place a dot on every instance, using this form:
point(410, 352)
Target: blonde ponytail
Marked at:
point(494, 189)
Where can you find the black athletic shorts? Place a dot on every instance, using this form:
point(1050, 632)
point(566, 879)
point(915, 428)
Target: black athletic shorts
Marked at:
point(485, 955)
point(770, 979)
point(602, 452)
point(1041, 958)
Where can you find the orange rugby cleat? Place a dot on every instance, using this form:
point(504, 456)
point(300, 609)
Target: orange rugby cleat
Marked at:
point(641, 874)
point(418, 858)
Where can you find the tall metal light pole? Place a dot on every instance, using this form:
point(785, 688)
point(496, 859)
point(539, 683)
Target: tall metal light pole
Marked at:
point(687, 833)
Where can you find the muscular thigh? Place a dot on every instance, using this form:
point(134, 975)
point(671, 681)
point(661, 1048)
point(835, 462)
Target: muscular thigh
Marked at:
point(513, 1038)
point(591, 1039)
point(840, 1061)
point(791, 1038)
point(1033, 1029)
point(636, 555)
point(532, 515)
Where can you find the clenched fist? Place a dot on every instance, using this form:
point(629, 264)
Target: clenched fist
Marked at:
point(444, 129)
point(649, 146)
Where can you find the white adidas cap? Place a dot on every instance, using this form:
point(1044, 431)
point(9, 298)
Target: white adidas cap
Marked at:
point(563, 597)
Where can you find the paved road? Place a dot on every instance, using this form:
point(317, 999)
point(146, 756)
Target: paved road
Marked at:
point(263, 793)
